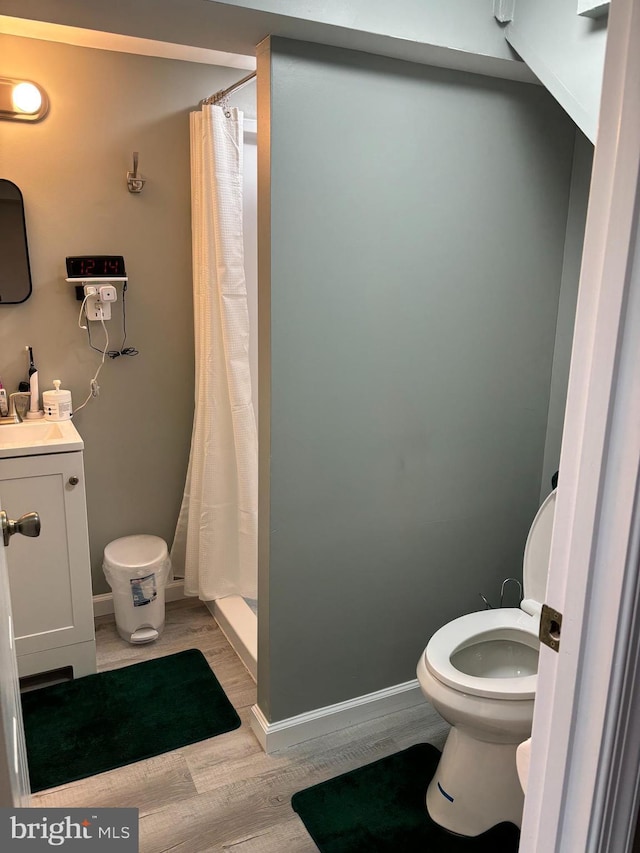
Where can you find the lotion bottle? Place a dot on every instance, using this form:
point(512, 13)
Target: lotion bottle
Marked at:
point(57, 404)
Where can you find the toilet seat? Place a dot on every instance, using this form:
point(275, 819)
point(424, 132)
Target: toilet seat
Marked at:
point(510, 624)
point(515, 625)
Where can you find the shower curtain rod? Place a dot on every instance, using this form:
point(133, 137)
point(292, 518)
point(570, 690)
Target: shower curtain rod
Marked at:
point(218, 96)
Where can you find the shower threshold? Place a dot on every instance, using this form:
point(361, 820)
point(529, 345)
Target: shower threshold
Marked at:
point(239, 623)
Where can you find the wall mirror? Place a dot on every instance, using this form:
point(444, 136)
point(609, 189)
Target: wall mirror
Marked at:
point(15, 274)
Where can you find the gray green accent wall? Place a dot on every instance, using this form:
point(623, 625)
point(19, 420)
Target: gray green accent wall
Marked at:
point(411, 240)
point(576, 221)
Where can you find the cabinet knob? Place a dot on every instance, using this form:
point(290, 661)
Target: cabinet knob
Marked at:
point(28, 524)
point(73, 481)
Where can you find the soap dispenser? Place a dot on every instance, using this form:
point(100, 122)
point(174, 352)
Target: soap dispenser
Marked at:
point(57, 404)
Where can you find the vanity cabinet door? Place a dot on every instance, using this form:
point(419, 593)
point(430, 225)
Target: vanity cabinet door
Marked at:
point(50, 577)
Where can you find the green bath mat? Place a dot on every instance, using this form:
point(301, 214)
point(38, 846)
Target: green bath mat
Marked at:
point(381, 808)
point(99, 722)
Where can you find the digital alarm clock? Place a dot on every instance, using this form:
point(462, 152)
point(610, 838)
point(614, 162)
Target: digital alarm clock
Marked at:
point(85, 267)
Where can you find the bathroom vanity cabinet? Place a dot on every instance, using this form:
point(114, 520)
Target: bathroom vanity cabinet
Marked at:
point(50, 576)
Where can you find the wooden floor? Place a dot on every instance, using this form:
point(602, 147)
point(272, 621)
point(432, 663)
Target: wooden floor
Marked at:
point(225, 794)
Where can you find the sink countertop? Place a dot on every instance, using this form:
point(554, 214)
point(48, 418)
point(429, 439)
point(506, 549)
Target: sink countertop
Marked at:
point(31, 438)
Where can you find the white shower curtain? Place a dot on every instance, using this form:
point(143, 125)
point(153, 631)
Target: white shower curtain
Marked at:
point(215, 545)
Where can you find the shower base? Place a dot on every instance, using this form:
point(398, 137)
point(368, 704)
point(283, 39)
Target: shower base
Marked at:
point(239, 623)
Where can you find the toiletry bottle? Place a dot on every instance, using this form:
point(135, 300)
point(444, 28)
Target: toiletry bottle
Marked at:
point(4, 402)
point(57, 404)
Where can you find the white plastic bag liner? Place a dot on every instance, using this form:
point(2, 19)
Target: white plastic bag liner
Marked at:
point(137, 569)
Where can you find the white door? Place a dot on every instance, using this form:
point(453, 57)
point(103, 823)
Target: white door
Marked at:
point(14, 774)
point(583, 789)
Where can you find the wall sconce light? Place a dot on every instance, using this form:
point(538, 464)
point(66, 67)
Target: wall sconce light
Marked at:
point(22, 100)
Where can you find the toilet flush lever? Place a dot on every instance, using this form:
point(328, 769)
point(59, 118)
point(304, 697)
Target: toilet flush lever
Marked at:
point(550, 627)
point(504, 583)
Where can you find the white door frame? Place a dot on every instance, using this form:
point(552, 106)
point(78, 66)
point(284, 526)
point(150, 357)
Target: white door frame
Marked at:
point(14, 774)
point(582, 792)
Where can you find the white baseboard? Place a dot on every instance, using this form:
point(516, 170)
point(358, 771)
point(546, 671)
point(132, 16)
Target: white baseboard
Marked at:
point(103, 604)
point(332, 718)
point(239, 624)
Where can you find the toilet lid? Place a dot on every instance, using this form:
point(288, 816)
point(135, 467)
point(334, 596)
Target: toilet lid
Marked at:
point(535, 567)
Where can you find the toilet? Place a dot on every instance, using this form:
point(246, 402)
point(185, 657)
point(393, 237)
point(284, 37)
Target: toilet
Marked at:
point(480, 672)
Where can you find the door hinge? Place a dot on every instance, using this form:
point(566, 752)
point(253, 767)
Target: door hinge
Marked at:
point(550, 627)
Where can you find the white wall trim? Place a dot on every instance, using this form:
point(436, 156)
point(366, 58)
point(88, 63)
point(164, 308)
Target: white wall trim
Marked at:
point(581, 754)
point(332, 718)
point(103, 604)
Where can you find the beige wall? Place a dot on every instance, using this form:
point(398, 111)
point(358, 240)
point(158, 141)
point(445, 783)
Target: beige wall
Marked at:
point(71, 169)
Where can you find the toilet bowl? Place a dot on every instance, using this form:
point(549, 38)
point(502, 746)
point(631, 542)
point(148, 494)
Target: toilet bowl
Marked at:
point(480, 673)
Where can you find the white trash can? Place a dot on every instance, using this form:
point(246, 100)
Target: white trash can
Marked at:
point(137, 569)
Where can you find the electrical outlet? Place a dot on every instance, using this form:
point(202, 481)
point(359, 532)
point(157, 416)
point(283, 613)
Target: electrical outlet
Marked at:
point(95, 309)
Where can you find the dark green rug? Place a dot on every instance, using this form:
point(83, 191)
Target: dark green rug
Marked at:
point(99, 722)
point(381, 808)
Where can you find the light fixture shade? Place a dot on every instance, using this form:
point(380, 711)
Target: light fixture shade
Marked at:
point(22, 100)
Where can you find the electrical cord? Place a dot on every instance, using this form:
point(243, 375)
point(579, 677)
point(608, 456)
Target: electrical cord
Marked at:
point(114, 353)
point(84, 302)
point(95, 388)
point(123, 350)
